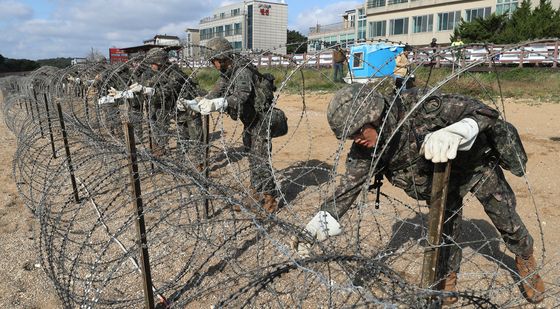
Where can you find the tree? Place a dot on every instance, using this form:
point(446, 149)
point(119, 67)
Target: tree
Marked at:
point(95, 56)
point(524, 24)
point(296, 43)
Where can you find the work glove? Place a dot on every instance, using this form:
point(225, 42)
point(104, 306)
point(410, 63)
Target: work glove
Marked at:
point(148, 91)
point(113, 92)
point(207, 106)
point(135, 87)
point(320, 227)
point(120, 94)
point(184, 104)
point(443, 144)
point(105, 100)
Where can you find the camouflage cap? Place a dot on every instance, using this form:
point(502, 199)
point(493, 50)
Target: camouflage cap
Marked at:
point(157, 55)
point(219, 48)
point(352, 107)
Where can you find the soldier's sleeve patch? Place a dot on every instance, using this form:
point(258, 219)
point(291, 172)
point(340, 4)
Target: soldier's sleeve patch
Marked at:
point(432, 105)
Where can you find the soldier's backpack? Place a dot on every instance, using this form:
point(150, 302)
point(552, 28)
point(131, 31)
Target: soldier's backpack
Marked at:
point(507, 144)
point(264, 96)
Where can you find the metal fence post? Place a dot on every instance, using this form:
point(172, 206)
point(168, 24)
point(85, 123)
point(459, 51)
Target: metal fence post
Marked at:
point(49, 125)
point(67, 150)
point(140, 222)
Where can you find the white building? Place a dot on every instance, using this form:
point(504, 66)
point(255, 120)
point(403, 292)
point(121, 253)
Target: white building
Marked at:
point(414, 22)
point(249, 26)
point(165, 40)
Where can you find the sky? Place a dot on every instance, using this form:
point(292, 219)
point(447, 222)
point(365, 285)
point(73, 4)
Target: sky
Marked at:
point(40, 29)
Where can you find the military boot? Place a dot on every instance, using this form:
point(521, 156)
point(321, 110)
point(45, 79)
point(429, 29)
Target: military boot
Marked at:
point(449, 284)
point(532, 283)
point(250, 200)
point(270, 205)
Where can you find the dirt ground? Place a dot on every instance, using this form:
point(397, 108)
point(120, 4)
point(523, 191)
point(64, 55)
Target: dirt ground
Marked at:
point(25, 285)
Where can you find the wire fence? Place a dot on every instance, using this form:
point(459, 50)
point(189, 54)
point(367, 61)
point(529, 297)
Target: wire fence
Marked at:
point(73, 169)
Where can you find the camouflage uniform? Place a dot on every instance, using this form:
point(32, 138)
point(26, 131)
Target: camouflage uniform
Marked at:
point(237, 85)
point(168, 82)
point(475, 170)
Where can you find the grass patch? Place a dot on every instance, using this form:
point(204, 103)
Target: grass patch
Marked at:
point(534, 83)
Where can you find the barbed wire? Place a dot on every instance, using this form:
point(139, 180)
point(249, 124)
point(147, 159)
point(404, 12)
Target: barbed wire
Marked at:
point(72, 171)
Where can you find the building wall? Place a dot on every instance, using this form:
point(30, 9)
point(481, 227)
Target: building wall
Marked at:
point(439, 10)
point(269, 32)
point(433, 8)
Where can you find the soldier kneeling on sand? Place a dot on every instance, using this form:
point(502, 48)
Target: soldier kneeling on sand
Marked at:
point(443, 127)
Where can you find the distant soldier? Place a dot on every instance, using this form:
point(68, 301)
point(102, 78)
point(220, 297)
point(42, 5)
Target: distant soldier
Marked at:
point(443, 128)
point(162, 86)
point(244, 93)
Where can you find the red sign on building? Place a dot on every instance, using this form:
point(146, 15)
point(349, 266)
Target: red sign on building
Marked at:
point(264, 9)
point(117, 55)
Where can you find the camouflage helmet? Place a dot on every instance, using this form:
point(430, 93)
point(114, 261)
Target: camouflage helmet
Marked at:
point(156, 55)
point(219, 48)
point(352, 107)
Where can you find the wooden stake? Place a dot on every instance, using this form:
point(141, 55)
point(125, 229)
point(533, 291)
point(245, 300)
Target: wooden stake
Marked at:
point(435, 223)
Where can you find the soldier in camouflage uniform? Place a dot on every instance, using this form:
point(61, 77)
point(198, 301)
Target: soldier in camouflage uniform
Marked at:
point(444, 127)
point(162, 85)
point(235, 94)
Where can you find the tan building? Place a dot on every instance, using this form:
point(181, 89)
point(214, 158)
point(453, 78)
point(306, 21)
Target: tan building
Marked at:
point(249, 26)
point(191, 42)
point(416, 22)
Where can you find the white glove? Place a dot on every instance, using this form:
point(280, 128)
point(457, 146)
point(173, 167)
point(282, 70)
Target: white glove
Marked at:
point(443, 144)
point(126, 94)
point(321, 226)
point(105, 100)
point(184, 104)
point(135, 87)
point(149, 91)
point(113, 92)
point(207, 106)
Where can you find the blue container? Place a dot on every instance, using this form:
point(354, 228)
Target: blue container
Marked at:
point(373, 60)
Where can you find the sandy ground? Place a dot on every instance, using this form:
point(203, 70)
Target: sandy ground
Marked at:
point(25, 285)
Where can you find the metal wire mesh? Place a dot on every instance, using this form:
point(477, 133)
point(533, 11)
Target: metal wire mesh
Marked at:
point(89, 246)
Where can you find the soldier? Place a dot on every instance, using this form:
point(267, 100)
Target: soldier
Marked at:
point(162, 85)
point(444, 127)
point(235, 94)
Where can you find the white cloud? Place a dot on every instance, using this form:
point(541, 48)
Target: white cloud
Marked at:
point(74, 27)
point(326, 15)
point(14, 10)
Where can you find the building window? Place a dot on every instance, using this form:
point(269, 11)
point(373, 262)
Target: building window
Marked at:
point(477, 13)
point(375, 3)
point(377, 28)
point(352, 21)
point(228, 31)
point(398, 26)
point(249, 29)
point(448, 21)
point(506, 6)
point(358, 60)
point(220, 31)
point(222, 15)
point(396, 1)
point(361, 30)
point(235, 12)
point(424, 23)
point(237, 28)
point(237, 45)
